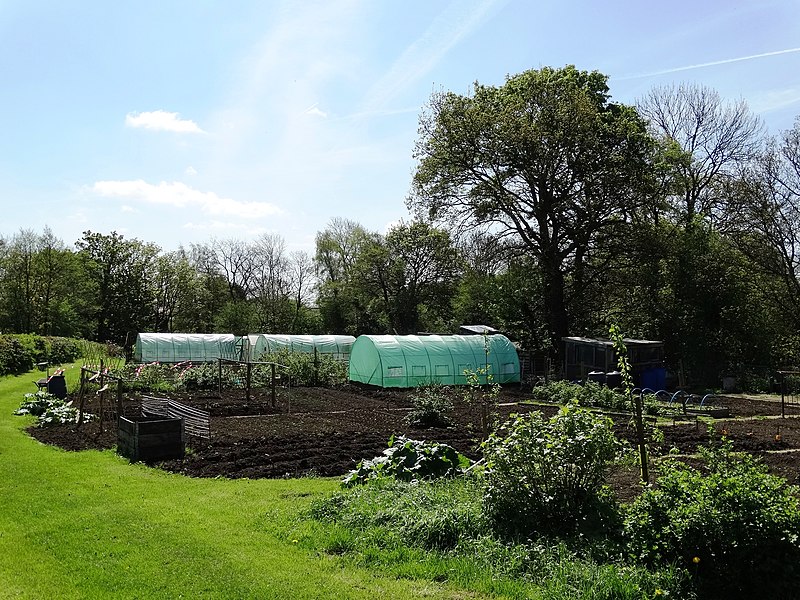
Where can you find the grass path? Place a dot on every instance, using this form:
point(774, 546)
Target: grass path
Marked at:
point(91, 525)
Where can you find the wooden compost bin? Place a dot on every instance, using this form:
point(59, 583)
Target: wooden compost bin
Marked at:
point(150, 439)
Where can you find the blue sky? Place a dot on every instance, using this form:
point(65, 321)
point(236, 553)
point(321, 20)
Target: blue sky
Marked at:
point(173, 121)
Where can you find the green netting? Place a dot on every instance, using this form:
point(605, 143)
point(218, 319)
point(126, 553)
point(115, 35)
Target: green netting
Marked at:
point(183, 347)
point(337, 346)
point(410, 360)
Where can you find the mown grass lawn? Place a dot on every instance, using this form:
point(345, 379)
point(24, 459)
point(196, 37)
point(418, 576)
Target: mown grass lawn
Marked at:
point(91, 525)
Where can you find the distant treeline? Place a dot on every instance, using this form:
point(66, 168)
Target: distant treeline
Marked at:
point(539, 207)
point(20, 353)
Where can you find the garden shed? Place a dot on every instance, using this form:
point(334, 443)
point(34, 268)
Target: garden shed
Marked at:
point(337, 346)
point(404, 361)
point(182, 347)
point(584, 356)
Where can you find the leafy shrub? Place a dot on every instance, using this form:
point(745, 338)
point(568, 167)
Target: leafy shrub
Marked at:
point(48, 409)
point(15, 359)
point(205, 376)
point(151, 377)
point(754, 382)
point(590, 393)
point(431, 403)
point(557, 392)
point(20, 352)
point(305, 368)
point(547, 475)
point(63, 350)
point(409, 460)
point(736, 527)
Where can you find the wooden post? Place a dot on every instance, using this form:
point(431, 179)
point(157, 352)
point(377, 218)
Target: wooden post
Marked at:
point(640, 437)
point(102, 393)
point(219, 377)
point(81, 397)
point(273, 384)
point(248, 379)
point(119, 398)
point(783, 395)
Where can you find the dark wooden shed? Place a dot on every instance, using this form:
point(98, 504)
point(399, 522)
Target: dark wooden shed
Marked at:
point(585, 355)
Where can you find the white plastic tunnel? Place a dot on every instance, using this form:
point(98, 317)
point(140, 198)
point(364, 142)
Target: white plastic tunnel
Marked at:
point(183, 347)
point(337, 346)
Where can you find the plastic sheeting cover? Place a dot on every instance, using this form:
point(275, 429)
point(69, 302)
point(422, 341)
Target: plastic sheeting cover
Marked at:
point(336, 345)
point(410, 360)
point(182, 347)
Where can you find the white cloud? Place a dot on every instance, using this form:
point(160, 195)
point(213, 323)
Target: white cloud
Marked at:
point(191, 171)
point(315, 111)
point(180, 195)
point(774, 100)
point(127, 209)
point(226, 226)
point(393, 224)
point(161, 120)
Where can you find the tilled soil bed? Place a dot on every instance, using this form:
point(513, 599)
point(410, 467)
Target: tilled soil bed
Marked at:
point(325, 432)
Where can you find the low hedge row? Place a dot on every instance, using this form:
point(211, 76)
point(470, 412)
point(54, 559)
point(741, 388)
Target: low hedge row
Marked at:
point(20, 352)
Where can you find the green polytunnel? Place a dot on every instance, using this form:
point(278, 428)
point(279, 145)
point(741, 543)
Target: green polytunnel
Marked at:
point(404, 361)
point(337, 346)
point(183, 347)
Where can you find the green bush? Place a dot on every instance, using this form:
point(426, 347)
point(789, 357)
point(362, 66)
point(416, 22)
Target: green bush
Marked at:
point(152, 377)
point(48, 409)
point(588, 394)
point(205, 376)
point(409, 460)
point(377, 523)
point(305, 368)
point(733, 525)
point(63, 350)
point(14, 358)
point(20, 352)
point(546, 476)
point(431, 403)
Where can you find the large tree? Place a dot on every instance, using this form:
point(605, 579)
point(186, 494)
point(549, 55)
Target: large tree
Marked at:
point(121, 272)
point(411, 275)
point(545, 160)
point(763, 220)
point(716, 137)
point(42, 288)
point(338, 247)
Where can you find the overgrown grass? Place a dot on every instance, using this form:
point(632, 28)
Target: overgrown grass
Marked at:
point(438, 531)
point(91, 525)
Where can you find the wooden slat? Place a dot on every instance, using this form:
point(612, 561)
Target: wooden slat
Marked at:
point(196, 422)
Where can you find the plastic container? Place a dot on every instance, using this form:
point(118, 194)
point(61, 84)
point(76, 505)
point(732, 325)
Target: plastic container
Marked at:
point(655, 378)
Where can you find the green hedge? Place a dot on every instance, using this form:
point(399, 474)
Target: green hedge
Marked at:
point(20, 352)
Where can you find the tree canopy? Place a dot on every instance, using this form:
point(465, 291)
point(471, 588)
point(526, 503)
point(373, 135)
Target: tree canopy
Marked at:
point(545, 161)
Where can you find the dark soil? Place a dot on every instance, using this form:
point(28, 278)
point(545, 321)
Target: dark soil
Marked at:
point(325, 432)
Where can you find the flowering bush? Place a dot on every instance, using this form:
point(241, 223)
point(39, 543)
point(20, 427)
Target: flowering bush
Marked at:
point(150, 377)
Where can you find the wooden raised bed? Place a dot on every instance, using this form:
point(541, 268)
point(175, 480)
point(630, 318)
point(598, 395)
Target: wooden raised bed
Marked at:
point(150, 439)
